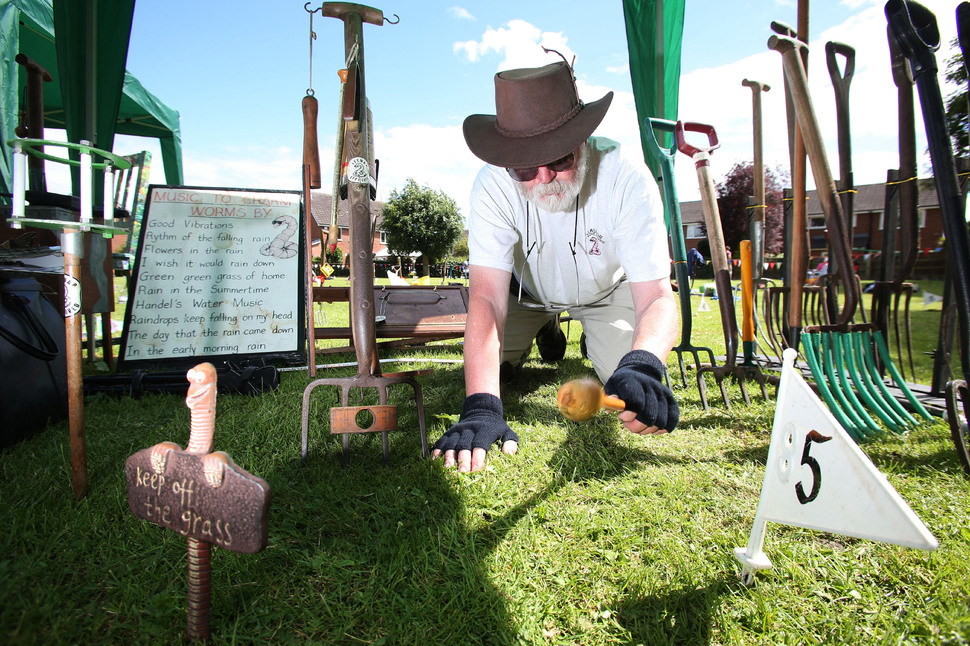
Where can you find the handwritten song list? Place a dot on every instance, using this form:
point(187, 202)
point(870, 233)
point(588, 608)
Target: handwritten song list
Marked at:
point(218, 274)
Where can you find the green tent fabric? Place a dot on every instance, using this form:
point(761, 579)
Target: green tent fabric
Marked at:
point(28, 26)
point(654, 33)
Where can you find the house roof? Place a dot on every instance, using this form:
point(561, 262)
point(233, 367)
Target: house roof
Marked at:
point(322, 203)
point(868, 197)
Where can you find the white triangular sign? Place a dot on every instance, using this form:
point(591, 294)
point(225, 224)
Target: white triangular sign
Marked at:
point(817, 477)
point(703, 306)
point(929, 299)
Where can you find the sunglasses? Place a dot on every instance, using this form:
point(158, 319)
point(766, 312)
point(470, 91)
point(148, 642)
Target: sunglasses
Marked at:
point(529, 174)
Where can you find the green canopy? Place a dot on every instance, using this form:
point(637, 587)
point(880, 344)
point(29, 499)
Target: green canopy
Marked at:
point(654, 33)
point(28, 27)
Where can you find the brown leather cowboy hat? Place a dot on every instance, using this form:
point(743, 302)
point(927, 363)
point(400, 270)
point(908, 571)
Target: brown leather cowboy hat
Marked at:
point(540, 118)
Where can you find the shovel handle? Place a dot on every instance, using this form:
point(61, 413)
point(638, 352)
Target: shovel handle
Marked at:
point(843, 77)
point(691, 126)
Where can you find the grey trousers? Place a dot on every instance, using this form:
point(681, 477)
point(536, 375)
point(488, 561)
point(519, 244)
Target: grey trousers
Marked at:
point(608, 324)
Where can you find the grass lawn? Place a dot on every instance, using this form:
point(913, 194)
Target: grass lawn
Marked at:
point(590, 535)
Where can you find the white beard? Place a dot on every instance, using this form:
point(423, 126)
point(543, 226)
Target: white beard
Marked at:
point(558, 196)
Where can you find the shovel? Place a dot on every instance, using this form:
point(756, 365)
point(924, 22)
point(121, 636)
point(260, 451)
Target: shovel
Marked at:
point(665, 161)
point(722, 271)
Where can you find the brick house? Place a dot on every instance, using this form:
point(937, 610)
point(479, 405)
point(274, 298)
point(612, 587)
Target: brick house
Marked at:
point(867, 220)
point(320, 225)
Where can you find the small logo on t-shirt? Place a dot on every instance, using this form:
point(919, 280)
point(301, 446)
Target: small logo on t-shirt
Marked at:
point(594, 240)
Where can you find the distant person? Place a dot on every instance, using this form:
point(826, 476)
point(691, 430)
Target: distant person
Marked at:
point(560, 220)
point(694, 258)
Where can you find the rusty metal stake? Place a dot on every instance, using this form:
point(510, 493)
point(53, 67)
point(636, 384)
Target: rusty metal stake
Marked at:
point(201, 400)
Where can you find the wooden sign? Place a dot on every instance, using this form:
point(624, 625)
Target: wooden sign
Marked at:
point(218, 273)
point(232, 515)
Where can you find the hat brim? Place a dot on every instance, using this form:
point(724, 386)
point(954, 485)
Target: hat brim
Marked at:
point(489, 145)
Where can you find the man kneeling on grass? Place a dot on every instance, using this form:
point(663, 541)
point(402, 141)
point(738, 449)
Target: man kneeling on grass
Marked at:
point(560, 221)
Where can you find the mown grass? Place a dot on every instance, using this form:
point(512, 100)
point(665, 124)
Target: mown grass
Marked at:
point(590, 535)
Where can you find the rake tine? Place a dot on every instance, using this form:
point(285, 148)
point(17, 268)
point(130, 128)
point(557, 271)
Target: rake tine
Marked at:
point(829, 370)
point(858, 372)
point(868, 390)
point(845, 387)
point(877, 380)
point(811, 357)
point(900, 382)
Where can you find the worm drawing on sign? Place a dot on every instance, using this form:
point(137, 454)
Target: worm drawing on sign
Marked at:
point(281, 246)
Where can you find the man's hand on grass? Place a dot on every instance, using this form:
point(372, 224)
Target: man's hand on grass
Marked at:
point(480, 426)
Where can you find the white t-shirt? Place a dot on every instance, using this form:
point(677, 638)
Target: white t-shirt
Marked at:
point(618, 229)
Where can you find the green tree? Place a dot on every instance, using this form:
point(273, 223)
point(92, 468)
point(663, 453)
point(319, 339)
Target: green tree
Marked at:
point(732, 203)
point(419, 219)
point(460, 251)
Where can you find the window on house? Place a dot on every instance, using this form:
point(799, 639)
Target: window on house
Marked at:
point(694, 231)
point(383, 237)
point(816, 222)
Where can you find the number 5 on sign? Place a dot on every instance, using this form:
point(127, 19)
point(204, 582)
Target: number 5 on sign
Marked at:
point(817, 477)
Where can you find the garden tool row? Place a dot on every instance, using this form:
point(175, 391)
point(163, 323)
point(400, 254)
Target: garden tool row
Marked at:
point(917, 34)
point(901, 211)
point(357, 153)
point(722, 271)
point(840, 354)
point(664, 159)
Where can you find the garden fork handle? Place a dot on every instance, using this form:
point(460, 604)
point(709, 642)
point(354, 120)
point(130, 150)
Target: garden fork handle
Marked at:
point(701, 158)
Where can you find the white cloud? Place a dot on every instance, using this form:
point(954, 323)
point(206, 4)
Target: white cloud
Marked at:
point(460, 13)
point(519, 42)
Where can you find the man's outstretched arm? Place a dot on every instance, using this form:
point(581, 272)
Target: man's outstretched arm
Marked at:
point(482, 422)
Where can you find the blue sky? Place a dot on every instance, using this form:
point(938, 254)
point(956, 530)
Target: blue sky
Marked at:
point(238, 71)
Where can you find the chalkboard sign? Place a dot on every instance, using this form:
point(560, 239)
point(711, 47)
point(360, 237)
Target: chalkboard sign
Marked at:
point(218, 276)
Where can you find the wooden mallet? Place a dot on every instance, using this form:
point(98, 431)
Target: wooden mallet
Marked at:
point(580, 399)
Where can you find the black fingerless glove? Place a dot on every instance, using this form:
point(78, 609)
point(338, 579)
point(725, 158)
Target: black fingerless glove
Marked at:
point(638, 381)
point(481, 425)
